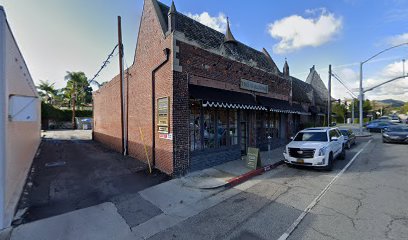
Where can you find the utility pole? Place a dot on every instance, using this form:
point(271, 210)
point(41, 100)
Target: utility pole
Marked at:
point(122, 89)
point(329, 98)
point(74, 106)
point(361, 97)
point(352, 111)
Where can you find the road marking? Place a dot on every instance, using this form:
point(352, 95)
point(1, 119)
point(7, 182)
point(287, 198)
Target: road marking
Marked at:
point(317, 199)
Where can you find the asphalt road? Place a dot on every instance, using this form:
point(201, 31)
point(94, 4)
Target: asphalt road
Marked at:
point(368, 201)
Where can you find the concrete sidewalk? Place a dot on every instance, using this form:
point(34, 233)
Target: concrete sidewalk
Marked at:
point(151, 210)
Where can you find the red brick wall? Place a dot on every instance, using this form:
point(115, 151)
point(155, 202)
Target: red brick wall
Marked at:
point(212, 70)
point(107, 128)
point(149, 54)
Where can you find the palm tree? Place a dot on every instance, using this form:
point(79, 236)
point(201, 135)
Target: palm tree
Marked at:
point(77, 90)
point(47, 91)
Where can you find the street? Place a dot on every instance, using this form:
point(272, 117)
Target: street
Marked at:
point(368, 201)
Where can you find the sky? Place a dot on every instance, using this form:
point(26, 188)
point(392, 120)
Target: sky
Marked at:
point(56, 36)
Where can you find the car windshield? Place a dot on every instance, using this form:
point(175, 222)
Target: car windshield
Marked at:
point(397, 129)
point(344, 132)
point(311, 136)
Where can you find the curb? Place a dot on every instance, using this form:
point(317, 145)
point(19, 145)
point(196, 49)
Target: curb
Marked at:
point(244, 177)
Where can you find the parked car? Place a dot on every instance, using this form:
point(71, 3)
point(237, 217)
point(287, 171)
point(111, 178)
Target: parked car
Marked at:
point(315, 147)
point(378, 126)
point(349, 137)
point(395, 119)
point(384, 118)
point(397, 134)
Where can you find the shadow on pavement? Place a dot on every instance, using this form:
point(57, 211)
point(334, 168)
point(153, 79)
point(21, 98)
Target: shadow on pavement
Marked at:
point(71, 173)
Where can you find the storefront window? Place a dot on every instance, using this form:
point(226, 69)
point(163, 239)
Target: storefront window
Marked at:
point(209, 128)
point(233, 129)
point(222, 128)
point(195, 121)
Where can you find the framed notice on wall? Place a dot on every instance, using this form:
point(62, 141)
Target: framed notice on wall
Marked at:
point(163, 114)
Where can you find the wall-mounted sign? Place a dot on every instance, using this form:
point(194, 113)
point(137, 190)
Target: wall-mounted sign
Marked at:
point(253, 86)
point(163, 115)
point(168, 136)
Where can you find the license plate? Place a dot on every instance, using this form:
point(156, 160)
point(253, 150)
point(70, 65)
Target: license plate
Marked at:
point(300, 161)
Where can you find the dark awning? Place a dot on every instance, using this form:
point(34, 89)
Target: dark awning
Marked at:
point(277, 105)
point(214, 97)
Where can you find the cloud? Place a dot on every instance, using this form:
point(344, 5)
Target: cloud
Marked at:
point(398, 39)
point(396, 90)
point(296, 32)
point(218, 23)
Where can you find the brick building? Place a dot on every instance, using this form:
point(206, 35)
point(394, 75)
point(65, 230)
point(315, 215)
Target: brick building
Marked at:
point(198, 97)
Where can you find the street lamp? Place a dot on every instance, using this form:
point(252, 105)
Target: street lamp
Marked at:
point(361, 96)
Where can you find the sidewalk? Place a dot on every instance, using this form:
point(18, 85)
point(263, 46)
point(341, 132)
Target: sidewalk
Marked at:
point(151, 210)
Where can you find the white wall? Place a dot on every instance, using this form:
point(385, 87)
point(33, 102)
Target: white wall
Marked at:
point(22, 137)
point(2, 116)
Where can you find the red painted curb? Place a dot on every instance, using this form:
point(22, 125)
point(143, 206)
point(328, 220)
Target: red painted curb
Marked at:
point(242, 178)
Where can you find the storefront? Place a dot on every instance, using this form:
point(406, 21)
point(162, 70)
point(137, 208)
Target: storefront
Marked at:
point(223, 124)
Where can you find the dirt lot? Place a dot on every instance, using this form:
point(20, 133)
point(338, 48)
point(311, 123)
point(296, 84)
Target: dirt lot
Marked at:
point(71, 172)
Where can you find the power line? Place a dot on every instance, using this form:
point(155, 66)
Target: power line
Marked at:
point(105, 63)
point(342, 83)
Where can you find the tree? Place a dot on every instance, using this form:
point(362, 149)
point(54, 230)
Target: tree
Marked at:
point(47, 91)
point(404, 109)
point(77, 91)
point(340, 110)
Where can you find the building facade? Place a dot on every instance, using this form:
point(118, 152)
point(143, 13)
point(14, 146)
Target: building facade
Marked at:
point(198, 97)
point(19, 122)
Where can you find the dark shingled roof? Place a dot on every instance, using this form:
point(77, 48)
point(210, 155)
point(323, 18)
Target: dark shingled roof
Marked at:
point(301, 91)
point(209, 38)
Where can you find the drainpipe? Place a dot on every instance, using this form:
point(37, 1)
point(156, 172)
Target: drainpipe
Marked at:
point(167, 53)
point(3, 116)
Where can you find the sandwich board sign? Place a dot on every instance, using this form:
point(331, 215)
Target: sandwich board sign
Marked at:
point(253, 158)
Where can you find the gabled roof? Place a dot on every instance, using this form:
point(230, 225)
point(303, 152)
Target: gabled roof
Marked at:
point(318, 86)
point(208, 38)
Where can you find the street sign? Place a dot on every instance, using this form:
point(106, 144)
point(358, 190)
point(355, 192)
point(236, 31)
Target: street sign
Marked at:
point(253, 158)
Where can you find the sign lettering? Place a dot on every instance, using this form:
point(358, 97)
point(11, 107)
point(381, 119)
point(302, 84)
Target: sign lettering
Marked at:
point(254, 86)
point(163, 115)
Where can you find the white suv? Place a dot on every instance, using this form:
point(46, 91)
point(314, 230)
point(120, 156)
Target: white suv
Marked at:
point(316, 147)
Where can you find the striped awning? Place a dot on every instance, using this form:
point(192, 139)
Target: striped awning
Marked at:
point(280, 106)
point(220, 98)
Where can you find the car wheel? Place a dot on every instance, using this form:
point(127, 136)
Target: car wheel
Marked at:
point(342, 155)
point(329, 166)
point(384, 141)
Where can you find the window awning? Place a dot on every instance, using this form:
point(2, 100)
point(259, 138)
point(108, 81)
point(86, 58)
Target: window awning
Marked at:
point(214, 97)
point(282, 106)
